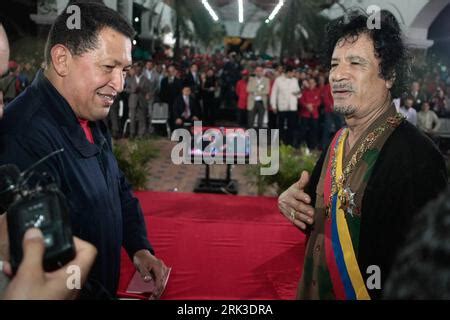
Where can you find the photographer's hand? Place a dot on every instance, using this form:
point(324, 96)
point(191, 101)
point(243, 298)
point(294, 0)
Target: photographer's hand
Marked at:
point(32, 282)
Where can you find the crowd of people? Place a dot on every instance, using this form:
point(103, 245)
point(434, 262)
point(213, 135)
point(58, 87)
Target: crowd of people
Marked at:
point(299, 103)
point(293, 96)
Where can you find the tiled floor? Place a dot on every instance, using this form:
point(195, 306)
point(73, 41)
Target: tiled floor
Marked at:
point(166, 176)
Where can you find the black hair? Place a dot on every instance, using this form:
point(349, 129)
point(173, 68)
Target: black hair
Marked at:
point(94, 17)
point(422, 268)
point(387, 41)
point(139, 64)
point(288, 68)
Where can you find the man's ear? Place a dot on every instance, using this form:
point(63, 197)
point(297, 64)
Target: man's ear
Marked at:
point(389, 84)
point(391, 80)
point(61, 57)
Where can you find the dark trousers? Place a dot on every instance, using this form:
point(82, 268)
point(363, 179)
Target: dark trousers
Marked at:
point(114, 119)
point(287, 121)
point(228, 96)
point(273, 120)
point(171, 115)
point(138, 116)
point(242, 118)
point(332, 122)
point(209, 110)
point(308, 129)
point(257, 111)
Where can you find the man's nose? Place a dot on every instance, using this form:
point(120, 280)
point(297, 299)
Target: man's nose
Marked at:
point(339, 73)
point(117, 82)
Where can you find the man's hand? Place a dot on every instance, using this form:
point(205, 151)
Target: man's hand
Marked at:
point(32, 282)
point(295, 204)
point(309, 107)
point(150, 267)
point(194, 118)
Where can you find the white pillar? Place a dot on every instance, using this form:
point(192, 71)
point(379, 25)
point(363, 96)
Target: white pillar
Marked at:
point(62, 4)
point(417, 38)
point(146, 28)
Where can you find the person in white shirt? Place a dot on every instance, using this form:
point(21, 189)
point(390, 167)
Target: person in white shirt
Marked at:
point(284, 99)
point(428, 121)
point(408, 111)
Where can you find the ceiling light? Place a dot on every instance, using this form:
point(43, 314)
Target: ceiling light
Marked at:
point(275, 11)
point(241, 10)
point(210, 10)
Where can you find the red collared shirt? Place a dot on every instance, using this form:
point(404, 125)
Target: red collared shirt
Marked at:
point(87, 130)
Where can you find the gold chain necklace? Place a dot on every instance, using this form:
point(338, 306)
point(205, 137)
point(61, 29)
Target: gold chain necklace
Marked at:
point(368, 142)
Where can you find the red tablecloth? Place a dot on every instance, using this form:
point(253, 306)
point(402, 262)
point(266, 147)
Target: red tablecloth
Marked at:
point(221, 246)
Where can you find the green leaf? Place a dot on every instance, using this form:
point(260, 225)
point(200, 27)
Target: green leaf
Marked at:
point(292, 163)
point(133, 158)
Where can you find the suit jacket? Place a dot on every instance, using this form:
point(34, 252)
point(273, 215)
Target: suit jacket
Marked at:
point(409, 172)
point(169, 91)
point(138, 92)
point(153, 77)
point(254, 90)
point(194, 84)
point(8, 86)
point(179, 106)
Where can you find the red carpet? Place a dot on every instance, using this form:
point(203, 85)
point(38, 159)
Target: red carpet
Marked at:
point(221, 247)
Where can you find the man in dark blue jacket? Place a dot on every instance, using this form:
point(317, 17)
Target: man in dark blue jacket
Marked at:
point(63, 108)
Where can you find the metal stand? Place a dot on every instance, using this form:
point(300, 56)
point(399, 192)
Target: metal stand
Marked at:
point(224, 186)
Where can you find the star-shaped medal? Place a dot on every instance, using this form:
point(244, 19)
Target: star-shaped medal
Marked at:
point(347, 199)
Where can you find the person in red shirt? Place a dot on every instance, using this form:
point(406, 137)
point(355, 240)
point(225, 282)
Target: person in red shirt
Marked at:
point(310, 102)
point(241, 92)
point(332, 121)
